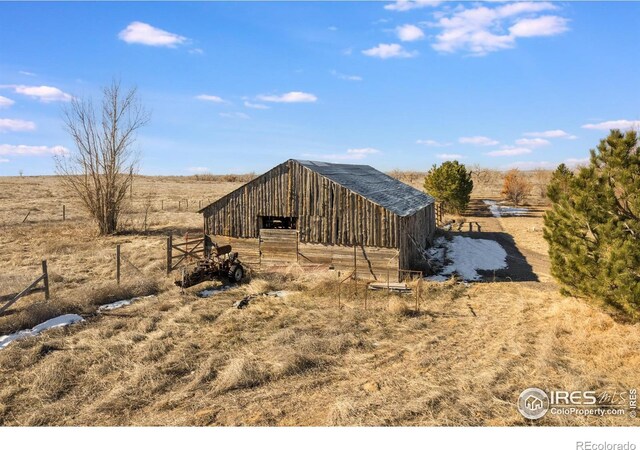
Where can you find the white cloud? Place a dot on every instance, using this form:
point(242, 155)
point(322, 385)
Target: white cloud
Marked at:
point(198, 170)
point(16, 125)
point(5, 102)
point(289, 97)
point(45, 94)
point(234, 115)
point(449, 156)
point(534, 142)
point(551, 134)
point(577, 161)
point(611, 124)
point(479, 30)
point(407, 5)
point(145, 34)
point(352, 154)
point(255, 105)
point(332, 28)
point(409, 33)
point(432, 143)
point(343, 76)
point(510, 151)
point(478, 140)
point(4, 160)
point(32, 150)
point(196, 51)
point(385, 51)
point(29, 74)
point(540, 26)
point(210, 98)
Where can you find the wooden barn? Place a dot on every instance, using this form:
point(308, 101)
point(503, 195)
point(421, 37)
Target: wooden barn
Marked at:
point(326, 215)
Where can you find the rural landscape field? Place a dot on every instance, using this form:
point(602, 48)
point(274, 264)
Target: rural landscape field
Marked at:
point(275, 224)
point(461, 356)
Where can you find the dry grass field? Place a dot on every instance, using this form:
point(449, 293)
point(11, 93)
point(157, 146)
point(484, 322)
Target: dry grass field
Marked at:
point(179, 359)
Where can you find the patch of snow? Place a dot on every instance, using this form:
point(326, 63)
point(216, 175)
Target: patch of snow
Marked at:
point(121, 303)
point(277, 293)
point(56, 322)
point(503, 211)
point(465, 256)
point(211, 292)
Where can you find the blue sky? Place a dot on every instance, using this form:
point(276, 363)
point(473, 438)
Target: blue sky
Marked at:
point(239, 87)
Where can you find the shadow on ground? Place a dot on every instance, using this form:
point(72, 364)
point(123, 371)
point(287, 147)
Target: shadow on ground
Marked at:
point(518, 269)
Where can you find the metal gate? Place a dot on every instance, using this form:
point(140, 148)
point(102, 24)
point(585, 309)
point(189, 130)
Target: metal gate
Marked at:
point(278, 246)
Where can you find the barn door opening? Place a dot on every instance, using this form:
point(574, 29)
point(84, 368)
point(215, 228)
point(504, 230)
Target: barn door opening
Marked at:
point(277, 223)
point(278, 246)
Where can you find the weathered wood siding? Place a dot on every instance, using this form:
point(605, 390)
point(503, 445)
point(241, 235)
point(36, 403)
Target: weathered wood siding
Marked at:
point(371, 262)
point(327, 212)
point(278, 246)
point(416, 235)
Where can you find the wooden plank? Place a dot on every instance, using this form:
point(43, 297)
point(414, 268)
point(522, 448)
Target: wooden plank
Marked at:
point(27, 291)
point(278, 245)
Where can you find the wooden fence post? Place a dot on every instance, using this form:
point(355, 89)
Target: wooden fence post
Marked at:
point(45, 279)
point(179, 204)
point(118, 263)
point(169, 244)
point(64, 212)
point(355, 269)
point(162, 205)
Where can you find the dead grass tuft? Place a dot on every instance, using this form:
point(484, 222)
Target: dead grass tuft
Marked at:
point(398, 307)
point(241, 372)
point(111, 292)
point(57, 375)
point(295, 363)
point(342, 413)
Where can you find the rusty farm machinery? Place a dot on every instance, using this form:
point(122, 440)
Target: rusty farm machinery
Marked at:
point(218, 263)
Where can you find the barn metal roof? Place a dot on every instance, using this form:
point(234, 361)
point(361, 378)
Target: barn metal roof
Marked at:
point(378, 187)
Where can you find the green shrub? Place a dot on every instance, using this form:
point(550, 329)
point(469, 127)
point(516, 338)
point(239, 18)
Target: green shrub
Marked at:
point(451, 184)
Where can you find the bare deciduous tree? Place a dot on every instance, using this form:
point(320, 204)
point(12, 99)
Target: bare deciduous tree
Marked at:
point(516, 187)
point(102, 167)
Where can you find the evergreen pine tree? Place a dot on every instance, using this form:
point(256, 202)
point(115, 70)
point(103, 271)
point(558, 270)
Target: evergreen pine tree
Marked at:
point(451, 184)
point(559, 184)
point(593, 228)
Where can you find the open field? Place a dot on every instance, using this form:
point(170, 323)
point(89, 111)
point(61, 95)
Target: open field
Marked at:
point(174, 359)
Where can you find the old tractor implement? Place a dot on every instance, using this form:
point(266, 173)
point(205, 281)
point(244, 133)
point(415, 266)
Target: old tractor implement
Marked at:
point(219, 263)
